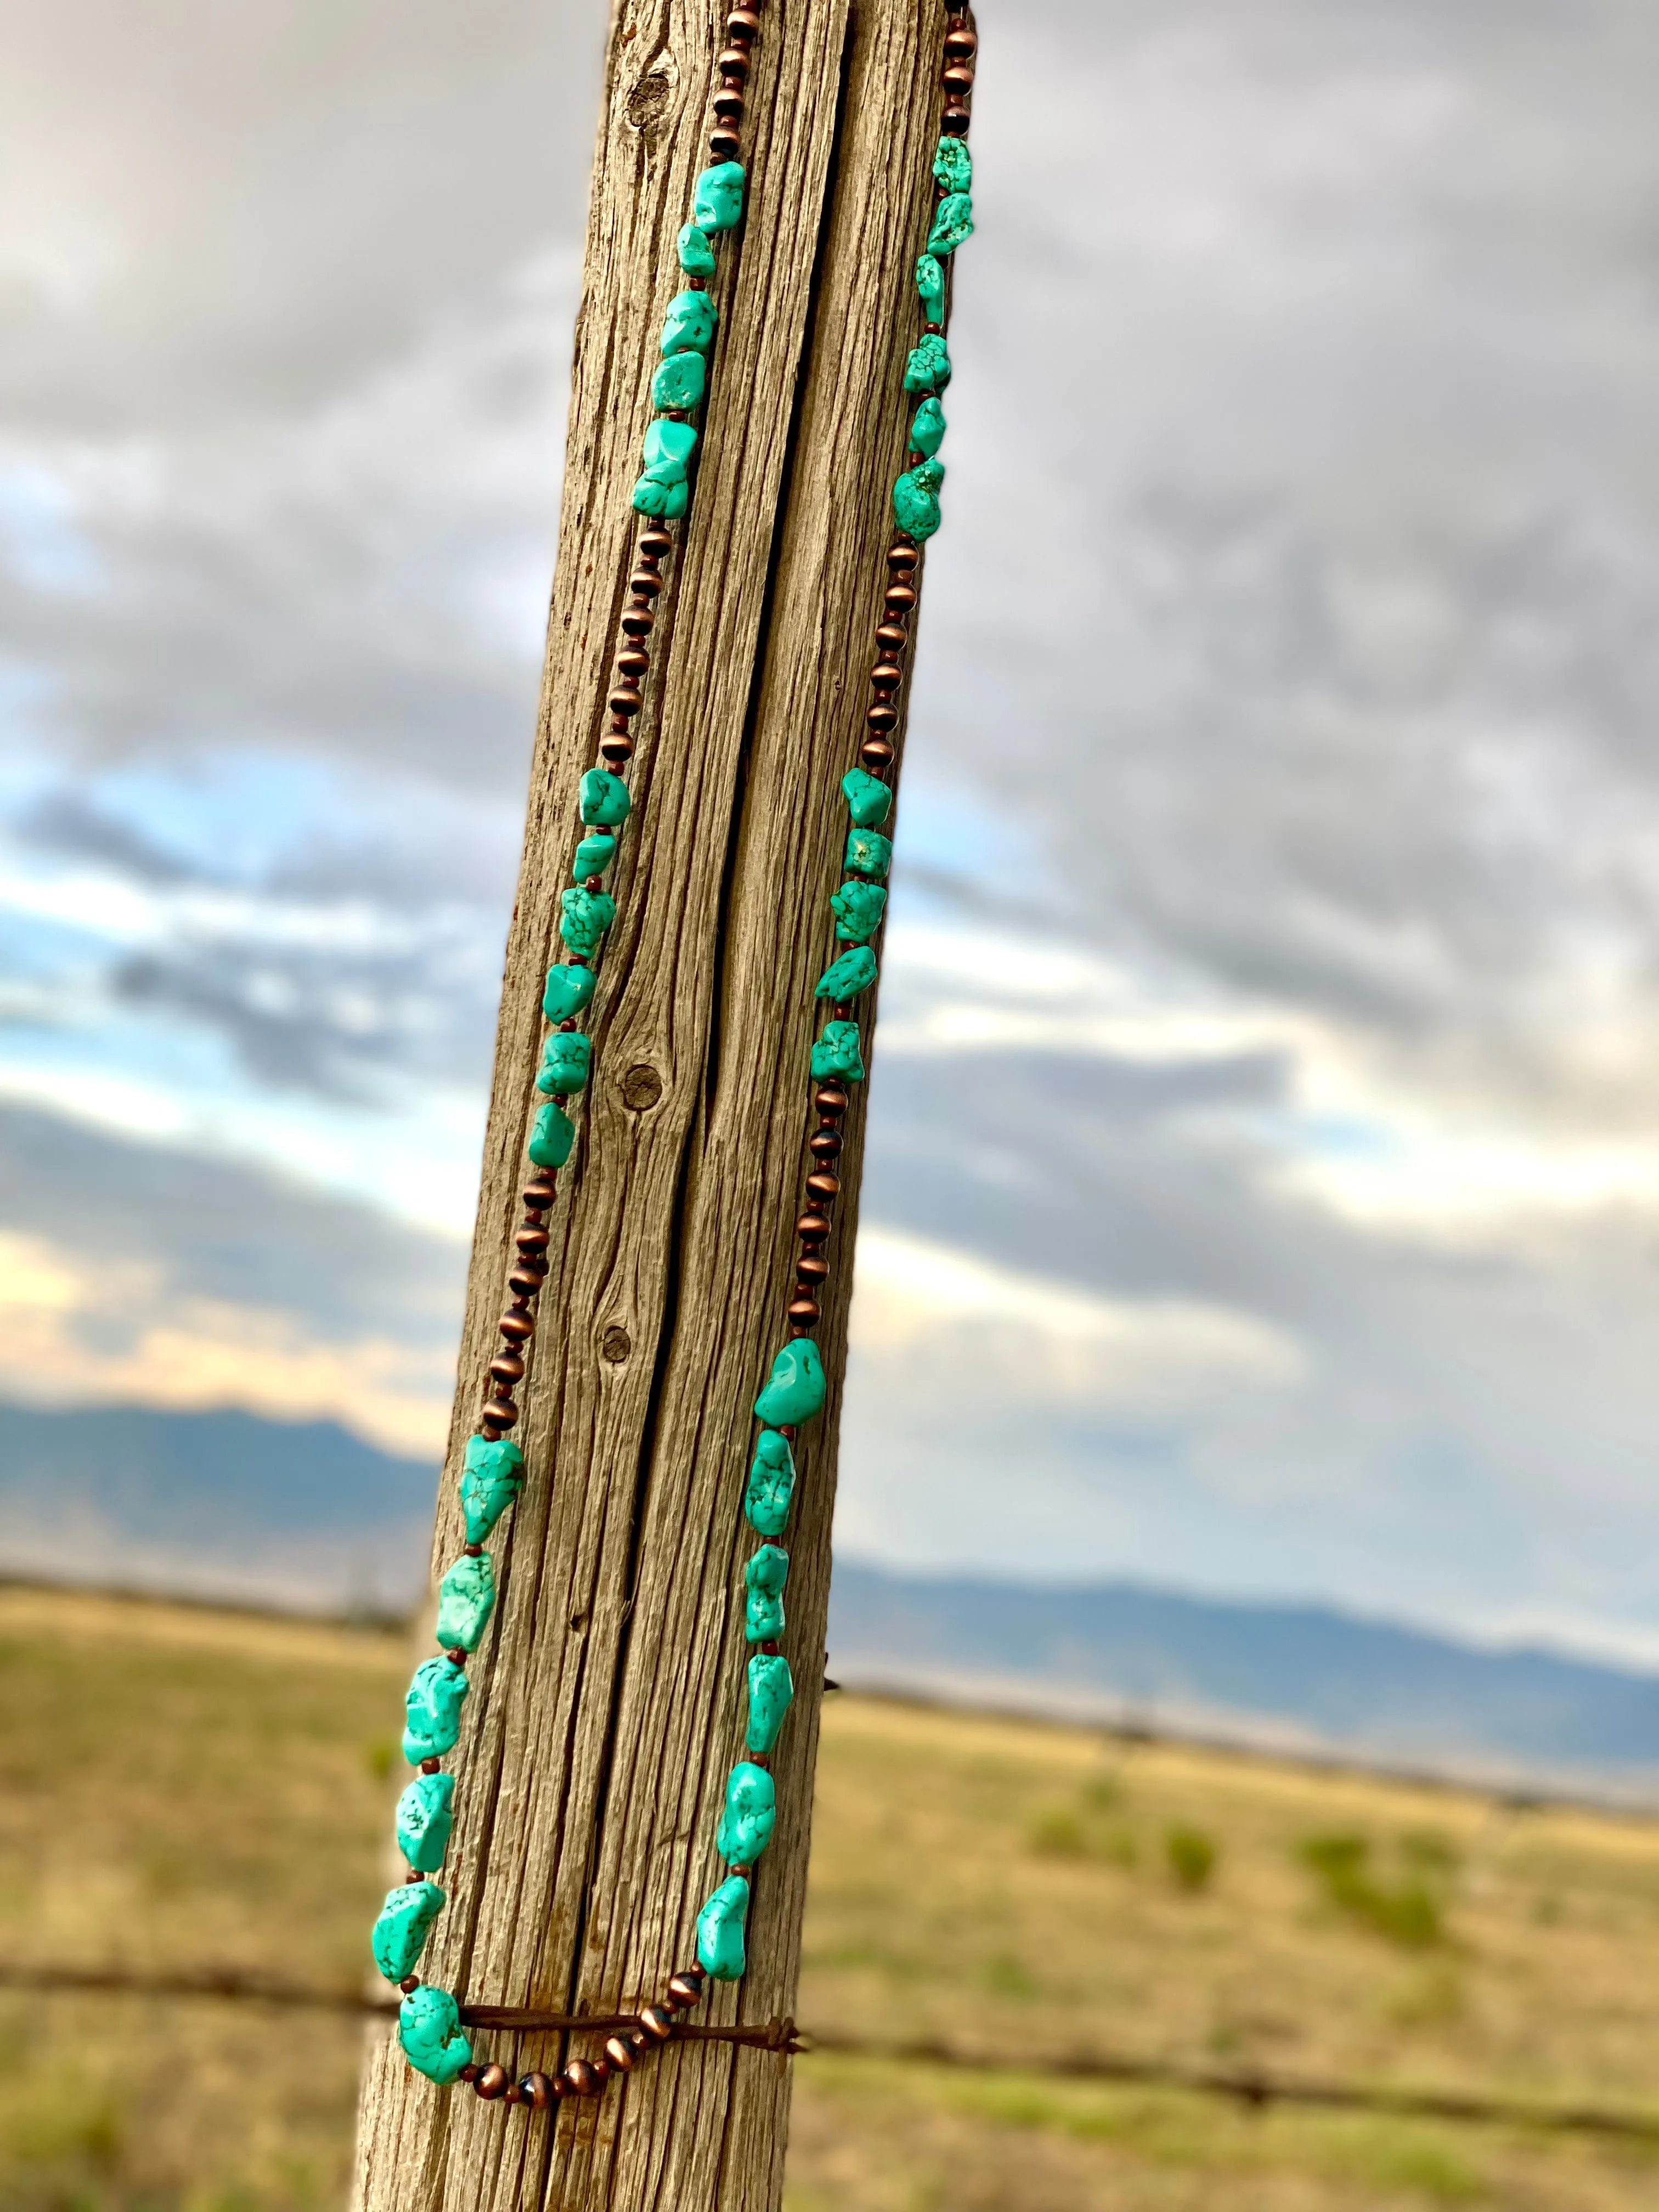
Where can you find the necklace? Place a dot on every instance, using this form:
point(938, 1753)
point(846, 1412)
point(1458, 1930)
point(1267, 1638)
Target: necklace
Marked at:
point(430, 2019)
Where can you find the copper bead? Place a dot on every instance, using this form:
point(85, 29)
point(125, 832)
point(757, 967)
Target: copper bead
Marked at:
point(645, 584)
point(877, 755)
point(824, 1187)
point(733, 62)
point(899, 598)
point(901, 557)
point(507, 1367)
point(728, 104)
point(685, 1988)
point(656, 544)
point(619, 2052)
point(657, 2023)
point(616, 750)
point(517, 1326)
point(583, 2078)
point(812, 1267)
point(804, 1315)
point(831, 1098)
point(961, 44)
point(741, 25)
point(492, 2082)
point(812, 1227)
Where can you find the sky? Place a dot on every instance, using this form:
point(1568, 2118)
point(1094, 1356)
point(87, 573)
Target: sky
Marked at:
point(1274, 956)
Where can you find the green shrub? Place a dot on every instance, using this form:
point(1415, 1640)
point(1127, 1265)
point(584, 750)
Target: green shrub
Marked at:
point(1192, 1858)
point(1410, 1910)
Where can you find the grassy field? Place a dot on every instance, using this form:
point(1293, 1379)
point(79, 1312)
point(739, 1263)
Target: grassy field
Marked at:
point(179, 1786)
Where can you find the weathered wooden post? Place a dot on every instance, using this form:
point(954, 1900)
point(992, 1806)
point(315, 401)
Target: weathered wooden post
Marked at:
point(606, 1701)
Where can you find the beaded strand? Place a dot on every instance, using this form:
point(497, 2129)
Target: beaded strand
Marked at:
point(429, 2018)
point(794, 1391)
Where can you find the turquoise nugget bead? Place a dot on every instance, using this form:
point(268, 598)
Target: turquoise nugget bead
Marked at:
point(565, 1059)
point(491, 1474)
point(953, 222)
point(568, 989)
point(719, 1930)
point(794, 1390)
point(869, 800)
point(667, 501)
point(869, 852)
point(551, 1135)
point(771, 1694)
point(466, 1598)
point(764, 1577)
point(928, 369)
point(751, 1814)
point(432, 1710)
point(667, 448)
point(405, 1922)
point(845, 978)
point(604, 801)
point(836, 1053)
point(771, 1483)
point(857, 909)
point(593, 855)
point(930, 287)
point(680, 382)
point(423, 1820)
point(928, 429)
point(689, 325)
point(953, 165)
point(916, 499)
point(696, 254)
point(717, 199)
point(585, 917)
point(430, 2029)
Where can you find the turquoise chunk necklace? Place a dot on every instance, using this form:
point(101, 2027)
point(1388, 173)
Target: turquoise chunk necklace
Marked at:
point(432, 2022)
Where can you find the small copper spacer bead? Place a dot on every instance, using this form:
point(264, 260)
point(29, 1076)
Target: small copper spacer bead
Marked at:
point(410, 1983)
point(602, 2070)
point(456, 1655)
point(620, 2052)
point(638, 2040)
point(657, 2023)
point(583, 2078)
point(471, 2071)
point(413, 1874)
point(435, 1765)
point(492, 2082)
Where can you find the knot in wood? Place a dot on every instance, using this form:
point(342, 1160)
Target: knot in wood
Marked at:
point(615, 1345)
point(650, 98)
point(641, 1086)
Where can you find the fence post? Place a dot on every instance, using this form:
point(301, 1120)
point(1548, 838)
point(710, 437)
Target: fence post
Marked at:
point(606, 1702)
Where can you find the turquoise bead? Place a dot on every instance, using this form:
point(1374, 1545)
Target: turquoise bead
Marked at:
point(466, 1598)
point(771, 1694)
point(953, 165)
point(953, 222)
point(404, 1924)
point(717, 197)
point(491, 1472)
point(869, 852)
point(667, 501)
point(771, 1483)
point(667, 447)
point(566, 1058)
point(927, 428)
point(869, 800)
point(795, 1388)
point(430, 2029)
point(764, 1578)
point(857, 907)
point(719, 1930)
point(603, 802)
point(680, 382)
point(585, 917)
point(751, 1814)
point(696, 254)
point(928, 369)
point(689, 325)
point(845, 978)
point(568, 990)
point(930, 287)
point(916, 499)
point(593, 855)
point(432, 1710)
point(836, 1054)
point(551, 1135)
point(423, 1820)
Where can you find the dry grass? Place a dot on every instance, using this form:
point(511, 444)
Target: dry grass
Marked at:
point(179, 1787)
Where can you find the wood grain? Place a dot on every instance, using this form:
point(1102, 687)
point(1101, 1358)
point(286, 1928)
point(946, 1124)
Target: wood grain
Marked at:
point(606, 1707)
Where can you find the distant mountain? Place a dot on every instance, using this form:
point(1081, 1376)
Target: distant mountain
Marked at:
point(222, 1504)
point(303, 1514)
point(1280, 1672)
